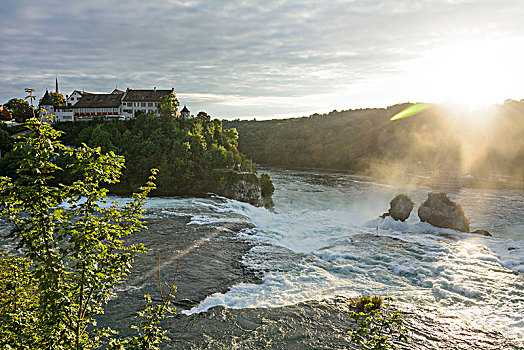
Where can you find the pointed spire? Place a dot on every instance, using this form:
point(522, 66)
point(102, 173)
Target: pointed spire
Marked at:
point(47, 100)
point(57, 83)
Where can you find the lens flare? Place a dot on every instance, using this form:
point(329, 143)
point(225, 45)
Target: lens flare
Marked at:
point(412, 110)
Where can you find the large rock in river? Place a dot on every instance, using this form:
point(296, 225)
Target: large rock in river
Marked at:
point(244, 187)
point(247, 192)
point(440, 211)
point(399, 208)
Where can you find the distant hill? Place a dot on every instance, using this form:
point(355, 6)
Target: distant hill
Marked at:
point(446, 140)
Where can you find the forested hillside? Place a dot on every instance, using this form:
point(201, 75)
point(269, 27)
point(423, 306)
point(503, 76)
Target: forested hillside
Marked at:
point(184, 151)
point(442, 138)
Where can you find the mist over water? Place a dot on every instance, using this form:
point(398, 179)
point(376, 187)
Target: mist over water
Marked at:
point(324, 238)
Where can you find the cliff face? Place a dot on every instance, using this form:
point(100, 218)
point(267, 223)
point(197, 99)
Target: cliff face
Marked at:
point(243, 187)
point(247, 192)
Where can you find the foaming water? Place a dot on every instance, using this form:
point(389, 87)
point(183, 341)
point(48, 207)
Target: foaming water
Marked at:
point(324, 239)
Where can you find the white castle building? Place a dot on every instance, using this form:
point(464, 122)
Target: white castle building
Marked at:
point(121, 105)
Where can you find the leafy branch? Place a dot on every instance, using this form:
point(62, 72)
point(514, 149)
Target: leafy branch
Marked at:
point(72, 239)
point(379, 326)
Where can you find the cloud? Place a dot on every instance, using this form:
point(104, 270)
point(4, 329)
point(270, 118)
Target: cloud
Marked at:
point(272, 51)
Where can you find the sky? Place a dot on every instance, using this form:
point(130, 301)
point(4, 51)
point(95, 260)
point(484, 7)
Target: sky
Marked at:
point(269, 59)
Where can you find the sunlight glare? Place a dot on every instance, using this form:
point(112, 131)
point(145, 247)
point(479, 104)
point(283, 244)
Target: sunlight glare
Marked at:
point(473, 73)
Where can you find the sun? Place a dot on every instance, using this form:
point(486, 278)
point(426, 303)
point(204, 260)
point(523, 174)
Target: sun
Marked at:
point(474, 73)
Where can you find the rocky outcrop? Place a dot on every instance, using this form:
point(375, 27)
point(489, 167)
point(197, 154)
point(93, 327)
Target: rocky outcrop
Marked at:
point(399, 208)
point(247, 192)
point(244, 187)
point(440, 211)
point(482, 232)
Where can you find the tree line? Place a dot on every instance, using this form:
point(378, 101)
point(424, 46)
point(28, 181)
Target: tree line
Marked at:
point(184, 151)
point(442, 138)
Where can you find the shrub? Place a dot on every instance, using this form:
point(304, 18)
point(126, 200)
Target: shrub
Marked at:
point(366, 303)
point(378, 325)
point(19, 323)
point(266, 186)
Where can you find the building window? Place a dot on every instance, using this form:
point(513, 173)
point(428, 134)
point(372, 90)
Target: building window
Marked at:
point(150, 104)
point(143, 104)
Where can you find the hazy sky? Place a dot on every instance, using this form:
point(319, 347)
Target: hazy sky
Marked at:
point(269, 58)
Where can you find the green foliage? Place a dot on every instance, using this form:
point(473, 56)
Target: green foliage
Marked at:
point(9, 163)
point(266, 186)
point(186, 152)
point(367, 303)
point(378, 326)
point(73, 245)
point(168, 106)
point(5, 142)
point(58, 98)
point(20, 109)
point(222, 182)
point(19, 322)
point(203, 117)
point(30, 95)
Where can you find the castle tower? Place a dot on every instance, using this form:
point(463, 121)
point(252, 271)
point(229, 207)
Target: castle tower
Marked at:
point(184, 113)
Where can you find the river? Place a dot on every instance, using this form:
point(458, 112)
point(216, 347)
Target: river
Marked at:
point(338, 246)
point(324, 239)
point(252, 278)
